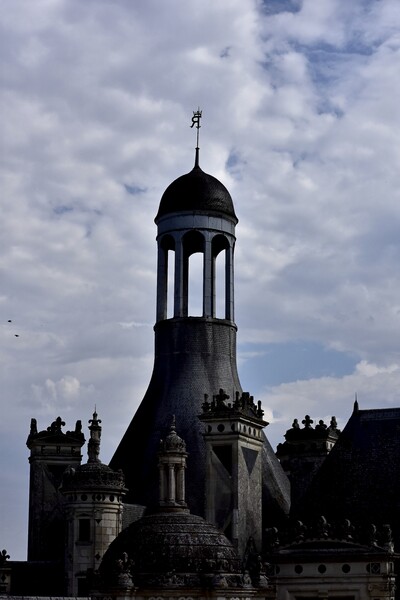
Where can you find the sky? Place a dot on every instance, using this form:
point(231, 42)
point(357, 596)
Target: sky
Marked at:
point(301, 121)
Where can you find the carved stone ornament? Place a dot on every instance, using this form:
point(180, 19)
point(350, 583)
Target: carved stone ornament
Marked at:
point(3, 557)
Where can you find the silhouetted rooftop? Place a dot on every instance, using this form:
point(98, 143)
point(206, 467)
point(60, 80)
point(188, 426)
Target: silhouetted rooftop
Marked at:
point(359, 478)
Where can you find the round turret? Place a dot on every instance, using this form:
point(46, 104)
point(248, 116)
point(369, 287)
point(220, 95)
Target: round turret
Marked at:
point(93, 507)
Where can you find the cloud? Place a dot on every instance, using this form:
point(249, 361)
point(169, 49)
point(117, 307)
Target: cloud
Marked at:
point(300, 107)
point(60, 393)
point(376, 386)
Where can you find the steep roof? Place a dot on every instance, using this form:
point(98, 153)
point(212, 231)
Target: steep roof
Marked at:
point(359, 479)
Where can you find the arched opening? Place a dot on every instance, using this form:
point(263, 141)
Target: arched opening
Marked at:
point(195, 285)
point(219, 286)
point(220, 249)
point(166, 277)
point(170, 283)
point(193, 273)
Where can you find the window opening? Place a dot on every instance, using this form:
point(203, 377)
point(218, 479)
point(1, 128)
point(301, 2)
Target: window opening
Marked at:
point(193, 273)
point(84, 530)
point(170, 256)
point(220, 248)
point(220, 284)
point(195, 305)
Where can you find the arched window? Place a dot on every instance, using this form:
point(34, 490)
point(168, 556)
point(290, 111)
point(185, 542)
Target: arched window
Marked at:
point(193, 273)
point(166, 276)
point(220, 249)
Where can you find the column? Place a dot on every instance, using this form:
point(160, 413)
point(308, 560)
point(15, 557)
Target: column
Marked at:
point(171, 483)
point(178, 286)
point(180, 494)
point(208, 281)
point(162, 282)
point(161, 482)
point(229, 302)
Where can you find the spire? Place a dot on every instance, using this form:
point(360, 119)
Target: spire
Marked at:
point(94, 441)
point(356, 407)
point(196, 121)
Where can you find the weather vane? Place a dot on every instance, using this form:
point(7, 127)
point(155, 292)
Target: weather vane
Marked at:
point(196, 122)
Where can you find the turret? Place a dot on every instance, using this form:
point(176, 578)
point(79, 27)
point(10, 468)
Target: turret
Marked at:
point(304, 451)
point(171, 469)
point(234, 442)
point(195, 354)
point(93, 505)
point(51, 452)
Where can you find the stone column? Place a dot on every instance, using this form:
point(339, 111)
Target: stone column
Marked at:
point(208, 281)
point(180, 494)
point(162, 282)
point(178, 286)
point(171, 483)
point(161, 482)
point(229, 301)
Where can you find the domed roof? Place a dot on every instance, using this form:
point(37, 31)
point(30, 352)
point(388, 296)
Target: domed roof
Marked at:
point(93, 476)
point(196, 192)
point(169, 542)
point(172, 442)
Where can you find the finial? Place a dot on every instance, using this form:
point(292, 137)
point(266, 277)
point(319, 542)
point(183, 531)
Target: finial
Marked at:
point(172, 441)
point(173, 424)
point(307, 422)
point(94, 441)
point(3, 557)
point(356, 407)
point(95, 421)
point(33, 427)
point(196, 121)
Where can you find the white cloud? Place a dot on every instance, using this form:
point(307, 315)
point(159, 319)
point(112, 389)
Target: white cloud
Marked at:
point(96, 99)
point(376, 386)
point(59, 393)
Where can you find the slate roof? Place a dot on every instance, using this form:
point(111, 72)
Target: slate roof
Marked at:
point(359, 479)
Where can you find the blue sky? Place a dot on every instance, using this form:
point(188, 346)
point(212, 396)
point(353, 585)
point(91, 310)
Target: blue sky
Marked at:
point(301, 118)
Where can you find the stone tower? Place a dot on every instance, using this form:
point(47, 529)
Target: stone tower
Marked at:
point(51, 452)
point(194, 354)
point(303, 453)
point(234, 442)
point(93, 511)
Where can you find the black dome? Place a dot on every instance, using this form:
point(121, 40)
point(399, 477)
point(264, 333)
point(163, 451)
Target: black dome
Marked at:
point(93, 476)
point(163, 543)
point(196, 191)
